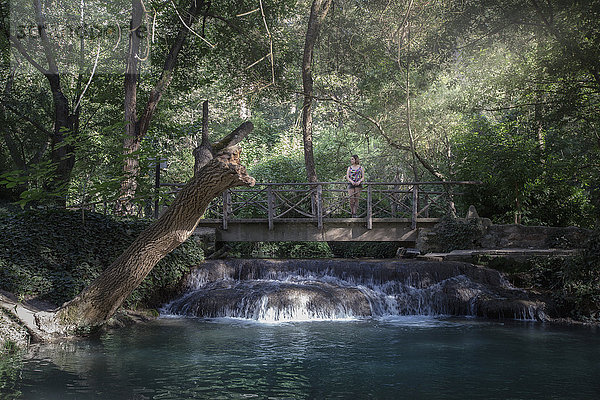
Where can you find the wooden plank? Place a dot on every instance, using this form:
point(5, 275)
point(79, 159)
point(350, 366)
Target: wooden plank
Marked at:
point(354, 231)
point(226, 203)
point(369, 208)
point(415, 207)
point(270, 206)
point(320, 207)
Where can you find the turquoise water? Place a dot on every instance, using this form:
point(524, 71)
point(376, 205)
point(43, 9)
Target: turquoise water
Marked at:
point(396, 358)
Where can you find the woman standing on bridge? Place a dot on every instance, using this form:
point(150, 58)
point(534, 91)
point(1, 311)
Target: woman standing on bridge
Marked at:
point(355, 175)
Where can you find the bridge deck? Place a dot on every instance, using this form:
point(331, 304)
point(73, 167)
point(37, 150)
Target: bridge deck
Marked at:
point(307, 230)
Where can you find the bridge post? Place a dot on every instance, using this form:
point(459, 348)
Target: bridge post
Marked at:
point(226, 206)
point(320, 206)
point(270, 206)
point(415, 206)
point(369, 208)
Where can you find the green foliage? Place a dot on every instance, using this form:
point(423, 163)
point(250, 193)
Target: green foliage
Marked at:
point(33, 183)
point(521, 180)
point(10, 371)
point(280, 250)
point(502, 159)
point(9, 347)
point(53, 255)
point(280, 168)
point(364, 249)
point(571, 283)
point(454, 234)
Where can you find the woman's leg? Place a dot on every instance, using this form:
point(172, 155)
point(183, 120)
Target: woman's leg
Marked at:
point(351, 200)
point(353, 194)
point(356, 199)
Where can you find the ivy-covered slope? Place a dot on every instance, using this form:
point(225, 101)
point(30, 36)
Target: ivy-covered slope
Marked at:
point(53, 255)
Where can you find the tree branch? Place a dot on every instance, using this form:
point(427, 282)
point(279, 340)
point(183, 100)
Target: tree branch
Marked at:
point(234, 137)
point(75, 109)
point(207, 151)
point(225, 20)
point(19, 46)
point(573, 48)
point(190, 20)
point(167, 72)
point(543, 103)
point(17, 111)
point(387, 138)
point(52, 67)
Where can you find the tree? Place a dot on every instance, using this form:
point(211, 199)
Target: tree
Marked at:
point(136, 126)
point(318, 12)
point(195, 39)
point(101, 299)
point(66, 117)
point(536, 66)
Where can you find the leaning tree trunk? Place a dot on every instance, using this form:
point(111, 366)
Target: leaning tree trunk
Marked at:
point(104, 296)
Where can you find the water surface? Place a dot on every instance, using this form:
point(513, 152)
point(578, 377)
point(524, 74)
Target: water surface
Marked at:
point(400, 357)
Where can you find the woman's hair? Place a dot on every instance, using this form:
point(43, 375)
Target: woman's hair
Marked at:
point(356, 158)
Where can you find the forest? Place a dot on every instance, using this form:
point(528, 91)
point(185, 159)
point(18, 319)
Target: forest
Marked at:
point(499, 91)
point(107, 107)
point(96, 97)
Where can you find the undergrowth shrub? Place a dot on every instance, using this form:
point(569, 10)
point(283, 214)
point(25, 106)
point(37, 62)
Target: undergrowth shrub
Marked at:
point(364, 249)
point(53, 254)
point(456, 234)
point(313, 249)
point(572, 283)
point(279, 250)
point(11, 367)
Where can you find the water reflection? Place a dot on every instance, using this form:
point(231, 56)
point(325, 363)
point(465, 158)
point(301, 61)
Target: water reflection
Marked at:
point(403, 357)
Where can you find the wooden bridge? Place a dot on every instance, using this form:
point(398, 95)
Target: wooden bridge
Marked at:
point(269, 212)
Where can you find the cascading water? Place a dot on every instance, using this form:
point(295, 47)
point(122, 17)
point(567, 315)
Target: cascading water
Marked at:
point(298, 290)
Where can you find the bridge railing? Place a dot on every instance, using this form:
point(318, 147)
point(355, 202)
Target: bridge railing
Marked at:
point(323, 201)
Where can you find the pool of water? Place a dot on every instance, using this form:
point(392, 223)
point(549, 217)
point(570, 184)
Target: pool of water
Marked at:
point(393, 358)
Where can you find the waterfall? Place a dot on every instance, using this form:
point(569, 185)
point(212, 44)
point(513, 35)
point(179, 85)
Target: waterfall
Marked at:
point(301, 290)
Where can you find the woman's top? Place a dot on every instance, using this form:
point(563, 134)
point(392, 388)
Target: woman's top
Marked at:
point(355, 175)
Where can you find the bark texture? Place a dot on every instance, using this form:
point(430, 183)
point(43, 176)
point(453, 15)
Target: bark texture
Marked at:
point(133, 137)
point(203, 152)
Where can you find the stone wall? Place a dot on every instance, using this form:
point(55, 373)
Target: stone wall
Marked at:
point(533, 237)
point(488, 236)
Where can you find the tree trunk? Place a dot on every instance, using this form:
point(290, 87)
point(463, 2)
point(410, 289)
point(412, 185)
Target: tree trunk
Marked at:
point(62, 153)
point(204, 148)
point(136, 128)
point(318, 12)
point(133, 139)
point(99, 301)
point(105, 295)
point(66, 123)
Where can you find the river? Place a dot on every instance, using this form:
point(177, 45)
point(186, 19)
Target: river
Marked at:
point(320, 329)
point(405, 357)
